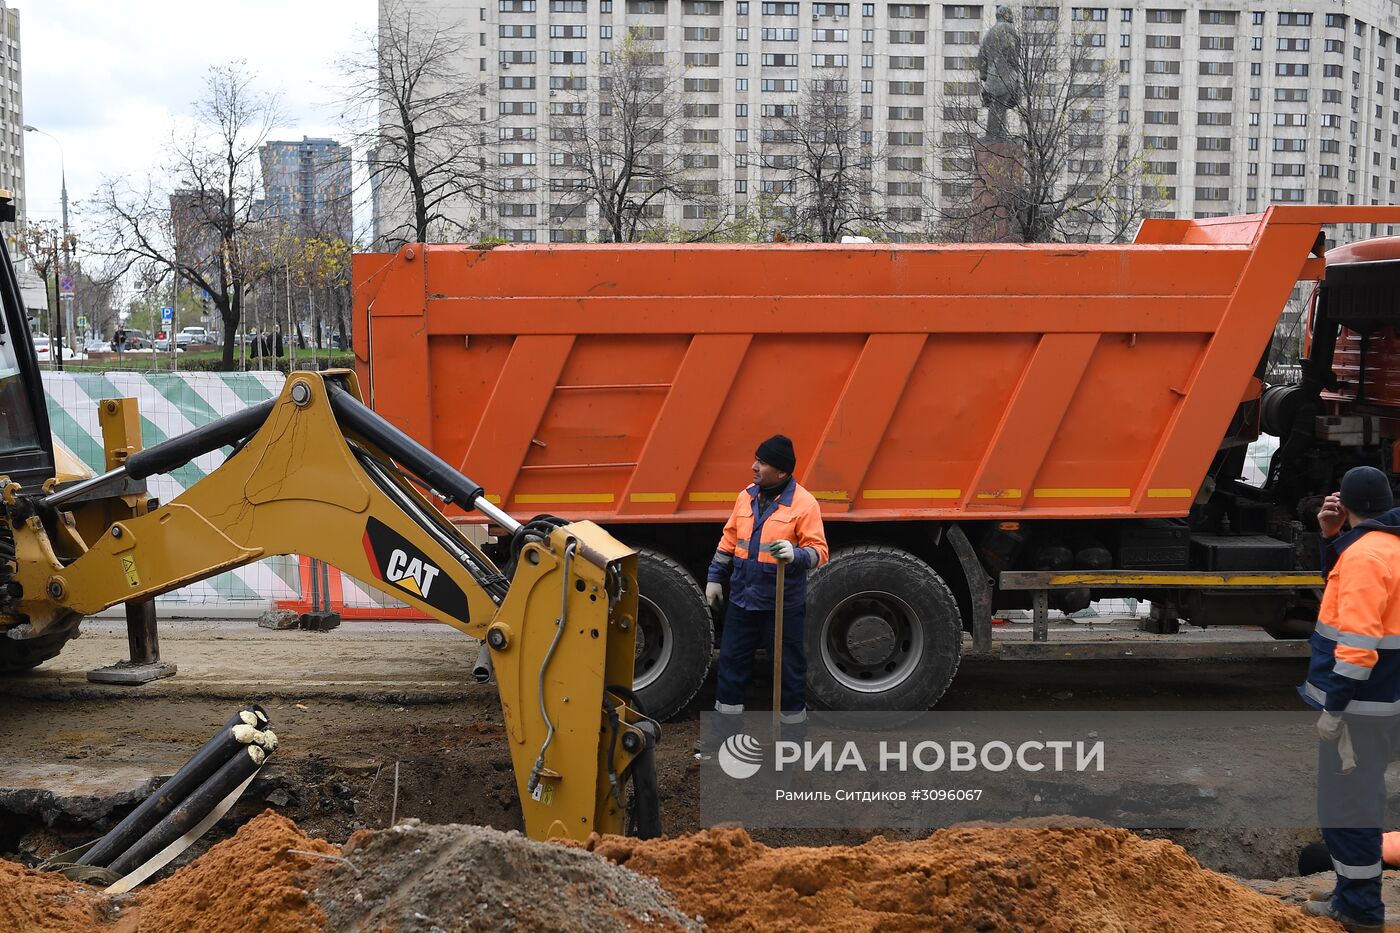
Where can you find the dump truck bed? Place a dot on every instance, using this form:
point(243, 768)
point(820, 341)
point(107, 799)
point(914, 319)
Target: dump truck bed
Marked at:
point(632, 382)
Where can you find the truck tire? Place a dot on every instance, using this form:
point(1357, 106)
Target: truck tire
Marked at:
point(21, 654)
point(675, 637)
point(883, 632)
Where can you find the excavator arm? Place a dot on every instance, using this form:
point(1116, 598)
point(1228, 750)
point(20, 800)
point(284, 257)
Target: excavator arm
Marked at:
point(315, 472)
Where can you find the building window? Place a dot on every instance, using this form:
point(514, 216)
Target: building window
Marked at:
point(741, 110)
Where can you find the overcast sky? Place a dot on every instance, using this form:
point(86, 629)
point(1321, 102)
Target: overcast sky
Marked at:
point(109, 79)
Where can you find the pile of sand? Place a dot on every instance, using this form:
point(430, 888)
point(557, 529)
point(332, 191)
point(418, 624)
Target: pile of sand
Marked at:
point(254, 881)
point(33, 900)
point(981, 879)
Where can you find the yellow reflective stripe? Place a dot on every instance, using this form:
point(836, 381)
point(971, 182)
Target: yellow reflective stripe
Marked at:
point(911, 494)
point(1081, 493)
point(1169, 493)
point(830, 495)
point(712, 496)
point(493, 499)
point(653, 497)
point(567, 497)
point(1000, 494)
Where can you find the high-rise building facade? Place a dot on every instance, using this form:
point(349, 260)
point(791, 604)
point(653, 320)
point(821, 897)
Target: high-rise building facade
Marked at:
point(11, 110)
point(308, 183)
point(1234, 106)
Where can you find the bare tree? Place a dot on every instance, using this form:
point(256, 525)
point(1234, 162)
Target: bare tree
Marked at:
point(829, 159)
point(196, 231)
point(1068, 169)
point(419, 118)
point(624, 145)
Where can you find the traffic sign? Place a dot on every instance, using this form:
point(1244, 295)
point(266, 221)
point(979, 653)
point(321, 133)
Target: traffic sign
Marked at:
point(82, 321)
point(65, 286)
point(167, 314)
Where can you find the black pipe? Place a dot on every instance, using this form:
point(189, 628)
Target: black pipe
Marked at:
point(191, 810)
point(212, 756)
point(411, 455)
point(250, 715)
point(176, 452)
point(646, 796)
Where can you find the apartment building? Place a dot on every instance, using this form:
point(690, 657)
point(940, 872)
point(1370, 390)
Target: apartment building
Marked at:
point(1236, 105)
point(307, 183)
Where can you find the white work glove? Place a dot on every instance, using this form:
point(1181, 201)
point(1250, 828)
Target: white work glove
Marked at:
point(714, 593)
point(1331, 727)
point(782, 550)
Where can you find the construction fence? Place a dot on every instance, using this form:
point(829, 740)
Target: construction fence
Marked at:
point(171, 404)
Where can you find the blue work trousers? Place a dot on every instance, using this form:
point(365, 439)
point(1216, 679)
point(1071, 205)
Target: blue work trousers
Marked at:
point(1356, 801)
point(744, 631)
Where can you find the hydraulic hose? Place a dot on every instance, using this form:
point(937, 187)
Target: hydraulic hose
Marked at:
point(559, 625)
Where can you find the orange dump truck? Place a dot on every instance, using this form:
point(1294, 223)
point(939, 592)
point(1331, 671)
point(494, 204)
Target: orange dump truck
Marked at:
point(986, 426)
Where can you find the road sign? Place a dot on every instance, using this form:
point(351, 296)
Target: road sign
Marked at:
point(65, 286)
point(167, 314)
point(82, 321)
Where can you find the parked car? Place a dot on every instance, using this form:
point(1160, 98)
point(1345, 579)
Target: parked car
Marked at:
point(162, 345)
point(133, 339)
point(44, 350)
point(95, 345)
point(190, 336)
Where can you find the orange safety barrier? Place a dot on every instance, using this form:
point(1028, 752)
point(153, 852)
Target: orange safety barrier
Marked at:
point(322, 590)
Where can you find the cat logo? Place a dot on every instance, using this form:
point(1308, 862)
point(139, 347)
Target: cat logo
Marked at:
point(413, 574)
point(401, 565)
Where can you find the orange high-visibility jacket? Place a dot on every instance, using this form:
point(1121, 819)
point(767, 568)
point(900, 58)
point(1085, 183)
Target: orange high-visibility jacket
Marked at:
point(1355, 666)
point(742, 558)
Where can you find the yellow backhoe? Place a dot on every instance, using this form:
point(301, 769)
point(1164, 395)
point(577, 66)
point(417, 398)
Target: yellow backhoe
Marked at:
point(315, 472)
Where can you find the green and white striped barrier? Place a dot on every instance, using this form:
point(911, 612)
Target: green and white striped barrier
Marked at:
point(171, 404)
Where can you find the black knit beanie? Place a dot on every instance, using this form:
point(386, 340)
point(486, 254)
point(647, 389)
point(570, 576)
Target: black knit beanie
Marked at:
point(1366, 490)
point(777, 453)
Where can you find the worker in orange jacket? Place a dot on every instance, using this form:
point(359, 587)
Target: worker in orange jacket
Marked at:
point(773, 519)
point(1354, 679)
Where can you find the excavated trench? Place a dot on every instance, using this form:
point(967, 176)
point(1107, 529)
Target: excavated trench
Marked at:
point(332, 800)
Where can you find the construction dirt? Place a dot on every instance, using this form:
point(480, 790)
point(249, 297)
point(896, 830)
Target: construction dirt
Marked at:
point(270, 877)
point(983, 879)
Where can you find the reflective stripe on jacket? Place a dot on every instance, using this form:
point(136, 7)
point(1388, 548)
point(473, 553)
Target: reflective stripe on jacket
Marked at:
point(742, 558)
point(1355, 664)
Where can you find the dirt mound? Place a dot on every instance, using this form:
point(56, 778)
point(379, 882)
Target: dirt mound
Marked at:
point(41, 901)
point(250, 882)
point(984, 879)
point(475, 878)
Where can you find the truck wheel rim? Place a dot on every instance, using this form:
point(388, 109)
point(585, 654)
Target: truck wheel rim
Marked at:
point(871, 642)
point(653, 644)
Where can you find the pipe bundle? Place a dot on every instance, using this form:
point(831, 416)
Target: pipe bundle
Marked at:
point(228, 759)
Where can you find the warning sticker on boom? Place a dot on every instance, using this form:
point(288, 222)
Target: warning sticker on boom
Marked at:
point(397, 561)
point(129, 569)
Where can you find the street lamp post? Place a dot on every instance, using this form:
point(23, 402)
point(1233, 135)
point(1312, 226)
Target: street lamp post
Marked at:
point(67, 269)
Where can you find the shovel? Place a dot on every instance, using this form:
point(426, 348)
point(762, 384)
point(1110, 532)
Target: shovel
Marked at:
point(778, 649)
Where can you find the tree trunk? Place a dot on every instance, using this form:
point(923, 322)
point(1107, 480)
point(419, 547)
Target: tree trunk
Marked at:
point(230, 319)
